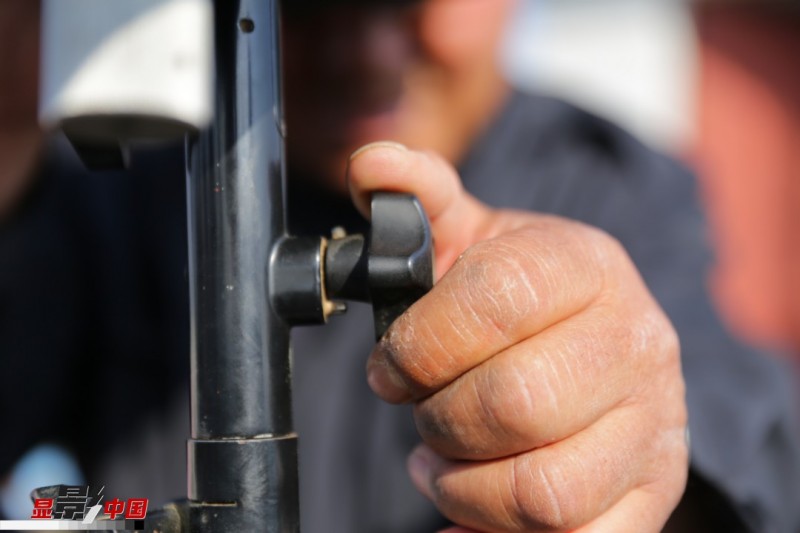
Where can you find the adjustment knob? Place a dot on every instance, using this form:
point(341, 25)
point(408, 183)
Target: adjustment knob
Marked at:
point(392, 268)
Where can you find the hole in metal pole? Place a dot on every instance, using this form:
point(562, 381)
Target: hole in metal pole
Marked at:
point(247, 25)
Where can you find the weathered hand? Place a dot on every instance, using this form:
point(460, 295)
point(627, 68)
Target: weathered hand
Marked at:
point(545, 379)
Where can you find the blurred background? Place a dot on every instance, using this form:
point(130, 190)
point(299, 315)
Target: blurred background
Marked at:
point(715, 83)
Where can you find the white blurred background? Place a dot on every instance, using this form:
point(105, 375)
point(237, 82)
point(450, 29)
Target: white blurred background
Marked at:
point(715, 83)
point(632, 61)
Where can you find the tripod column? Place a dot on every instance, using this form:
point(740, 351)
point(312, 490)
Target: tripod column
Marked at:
point(243, 450)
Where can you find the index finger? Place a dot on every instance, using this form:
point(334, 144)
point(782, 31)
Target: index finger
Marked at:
point(498, 293)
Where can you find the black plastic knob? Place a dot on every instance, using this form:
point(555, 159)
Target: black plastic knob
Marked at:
point(392, 268)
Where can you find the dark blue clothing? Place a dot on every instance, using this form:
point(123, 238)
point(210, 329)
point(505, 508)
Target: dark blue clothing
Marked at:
point(92, 282)
point(544, 155)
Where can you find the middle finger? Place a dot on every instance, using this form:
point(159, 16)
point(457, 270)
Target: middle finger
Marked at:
point(539, 391)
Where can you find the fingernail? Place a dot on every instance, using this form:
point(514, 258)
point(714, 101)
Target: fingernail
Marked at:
point(383, 378)
point(378, 144)
point(419, 468)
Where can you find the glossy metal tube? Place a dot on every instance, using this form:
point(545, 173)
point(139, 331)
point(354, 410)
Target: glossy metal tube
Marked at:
point(242, 454)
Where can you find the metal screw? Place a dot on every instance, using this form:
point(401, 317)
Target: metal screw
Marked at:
point(338, 233)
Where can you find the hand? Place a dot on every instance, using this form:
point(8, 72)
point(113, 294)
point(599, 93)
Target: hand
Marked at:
point(545, 379)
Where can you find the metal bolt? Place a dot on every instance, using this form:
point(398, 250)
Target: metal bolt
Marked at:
point(338, 233)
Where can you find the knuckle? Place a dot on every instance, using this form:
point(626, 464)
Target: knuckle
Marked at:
point(671, 342)
point(604, 248)
point(608, 257)
point(661, 334)
point(667, 439)
point(681, 461)
point(498, 412)
point(671, 470)
point(653, 333)
point(516, 411)
point(483, 418)
point(447, 495)
point(544, 498)
point(498, 288)
point(673, 446)
point(441, 428)
point(657, 344)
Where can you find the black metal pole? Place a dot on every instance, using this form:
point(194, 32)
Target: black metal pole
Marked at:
point(243, 449)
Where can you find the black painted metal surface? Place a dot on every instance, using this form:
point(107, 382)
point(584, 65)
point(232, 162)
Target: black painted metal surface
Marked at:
point(242, 454)
point(392, 268)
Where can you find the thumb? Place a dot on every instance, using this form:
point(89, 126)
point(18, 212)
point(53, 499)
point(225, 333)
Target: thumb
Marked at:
point(457, 219)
